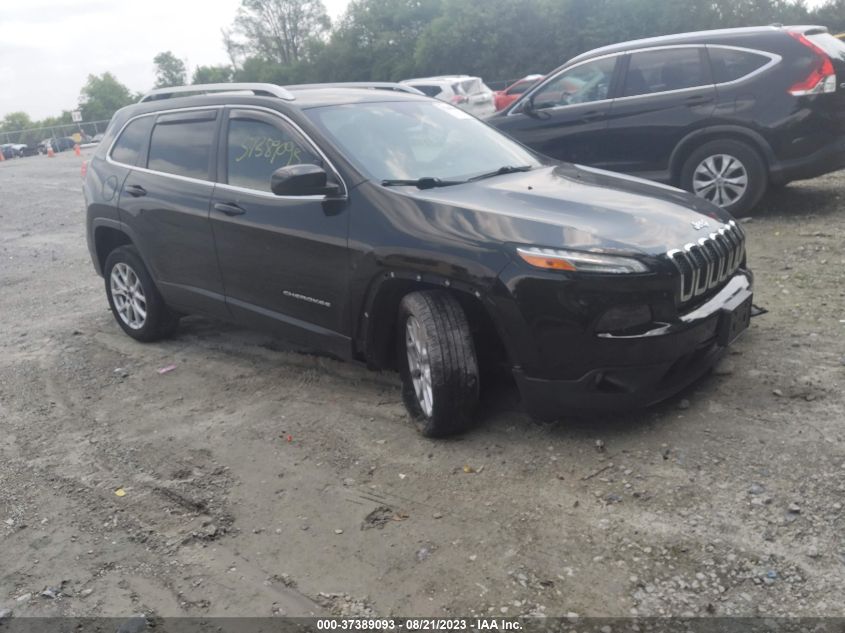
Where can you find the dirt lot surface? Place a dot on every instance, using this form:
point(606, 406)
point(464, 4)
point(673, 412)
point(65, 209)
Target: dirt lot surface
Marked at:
point(257, 481)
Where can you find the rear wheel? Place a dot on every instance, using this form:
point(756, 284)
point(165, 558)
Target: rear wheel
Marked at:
point(730, 174)
point(437, 363)
point(134, 299)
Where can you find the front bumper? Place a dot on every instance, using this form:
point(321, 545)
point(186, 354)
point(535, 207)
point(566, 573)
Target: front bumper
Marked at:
point(659, 363)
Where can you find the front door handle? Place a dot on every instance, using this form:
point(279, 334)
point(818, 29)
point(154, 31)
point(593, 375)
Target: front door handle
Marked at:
point(699, 100)
point(136, 191)
point(592, 115)
point(229, 208)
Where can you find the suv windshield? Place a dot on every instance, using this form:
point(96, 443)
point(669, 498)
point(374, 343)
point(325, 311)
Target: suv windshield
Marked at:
point(417, 139)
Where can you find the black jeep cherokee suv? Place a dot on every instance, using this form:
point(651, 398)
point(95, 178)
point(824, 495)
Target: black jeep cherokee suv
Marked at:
point(400, 231)
point(719, 113)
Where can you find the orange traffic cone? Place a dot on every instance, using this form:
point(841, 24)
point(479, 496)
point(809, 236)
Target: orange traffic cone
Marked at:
point(76, 149)
point(50, 152)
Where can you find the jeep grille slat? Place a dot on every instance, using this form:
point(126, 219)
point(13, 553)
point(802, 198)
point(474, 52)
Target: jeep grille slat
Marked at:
point(706, 264)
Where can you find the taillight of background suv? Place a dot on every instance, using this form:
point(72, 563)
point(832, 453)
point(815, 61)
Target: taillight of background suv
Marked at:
point(822, 76)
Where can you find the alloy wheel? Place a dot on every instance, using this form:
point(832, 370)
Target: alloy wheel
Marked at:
point(419, 364)
point(128, 296)
point(721, 179)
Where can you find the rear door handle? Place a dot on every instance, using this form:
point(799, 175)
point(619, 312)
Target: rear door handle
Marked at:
point(136, 191)
point(229, 208)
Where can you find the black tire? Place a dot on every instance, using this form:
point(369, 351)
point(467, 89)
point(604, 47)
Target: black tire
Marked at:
point(159, 321)
point(454, 377)
point(749, 159)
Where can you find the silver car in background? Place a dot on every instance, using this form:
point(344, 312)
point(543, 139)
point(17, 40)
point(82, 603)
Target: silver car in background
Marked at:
point(468, 93)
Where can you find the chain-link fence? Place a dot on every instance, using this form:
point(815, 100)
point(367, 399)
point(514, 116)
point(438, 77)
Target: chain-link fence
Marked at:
point(35, 135)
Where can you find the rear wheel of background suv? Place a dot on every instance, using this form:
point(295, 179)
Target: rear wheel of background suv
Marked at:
point(728, 173)
point(134, 300)
point(437, 363)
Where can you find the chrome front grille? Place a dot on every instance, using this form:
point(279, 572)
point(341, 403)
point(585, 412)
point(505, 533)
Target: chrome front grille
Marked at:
point(705, 264)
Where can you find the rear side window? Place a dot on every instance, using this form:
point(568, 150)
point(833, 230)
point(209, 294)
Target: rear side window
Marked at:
point(663, 70)
point(182, 147)
point(132, 141)
point(730, 65)
point(255, 149)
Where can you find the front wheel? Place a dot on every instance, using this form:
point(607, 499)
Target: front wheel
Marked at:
point(730, 174)
point(437, 363)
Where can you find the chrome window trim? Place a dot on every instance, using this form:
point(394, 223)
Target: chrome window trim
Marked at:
point(774, 59)
point(214, 183)
point(117, 136)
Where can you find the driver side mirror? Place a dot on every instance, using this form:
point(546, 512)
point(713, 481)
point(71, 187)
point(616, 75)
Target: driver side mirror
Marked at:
point(528, 108)
point(302, 180)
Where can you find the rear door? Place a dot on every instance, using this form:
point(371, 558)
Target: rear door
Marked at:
point(666, 94)
point(165, 201)
point(566, 117)
point(284, 259)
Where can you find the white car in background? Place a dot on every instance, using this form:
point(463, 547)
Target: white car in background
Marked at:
point(468, 93)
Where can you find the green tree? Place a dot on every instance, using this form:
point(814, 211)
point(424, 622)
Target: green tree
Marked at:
point(16, 121)
point(280, 31)
point(102, 96)
point(212, 75)
point(831, 14)
point(375, 40)
point(170, 70)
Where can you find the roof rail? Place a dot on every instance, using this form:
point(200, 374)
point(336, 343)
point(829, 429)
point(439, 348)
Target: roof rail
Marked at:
point(265, 90)
point(364, 85)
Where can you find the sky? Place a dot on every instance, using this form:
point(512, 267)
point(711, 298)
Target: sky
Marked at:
point(49, 47)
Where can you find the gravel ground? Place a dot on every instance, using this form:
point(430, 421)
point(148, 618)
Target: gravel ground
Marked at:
point(251, 480)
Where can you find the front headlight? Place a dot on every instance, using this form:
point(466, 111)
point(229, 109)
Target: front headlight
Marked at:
point(580, 261)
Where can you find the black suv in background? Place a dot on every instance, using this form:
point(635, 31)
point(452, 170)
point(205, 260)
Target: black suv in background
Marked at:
point(352, 221)
point(722, 114)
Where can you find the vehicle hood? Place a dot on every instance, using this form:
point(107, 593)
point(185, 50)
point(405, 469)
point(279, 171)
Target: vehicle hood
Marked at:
point(576, 207)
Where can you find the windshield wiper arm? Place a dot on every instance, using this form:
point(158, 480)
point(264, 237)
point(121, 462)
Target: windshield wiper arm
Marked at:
point(427, 182)
point(501, 171)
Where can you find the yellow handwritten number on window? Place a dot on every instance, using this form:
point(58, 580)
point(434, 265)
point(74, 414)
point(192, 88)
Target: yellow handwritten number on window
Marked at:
point(269, 149)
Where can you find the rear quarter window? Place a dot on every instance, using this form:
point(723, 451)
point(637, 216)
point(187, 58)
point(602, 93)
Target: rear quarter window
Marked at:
point(730, 65)
point(132, 141)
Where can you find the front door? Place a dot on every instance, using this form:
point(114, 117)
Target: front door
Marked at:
point(566, 118)
point(284, 259)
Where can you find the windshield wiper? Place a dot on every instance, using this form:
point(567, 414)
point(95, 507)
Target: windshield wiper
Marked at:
point(427, 182)
point(501, 171)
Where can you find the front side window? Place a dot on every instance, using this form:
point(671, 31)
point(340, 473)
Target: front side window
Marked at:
point(132, 141)
point(417, 139)
point(584, 83)
point(182, 147)
point(663, 70)
point(255, 149)
point(730, 65)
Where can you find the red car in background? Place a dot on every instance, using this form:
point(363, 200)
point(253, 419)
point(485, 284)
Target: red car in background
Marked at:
point(503, 98)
